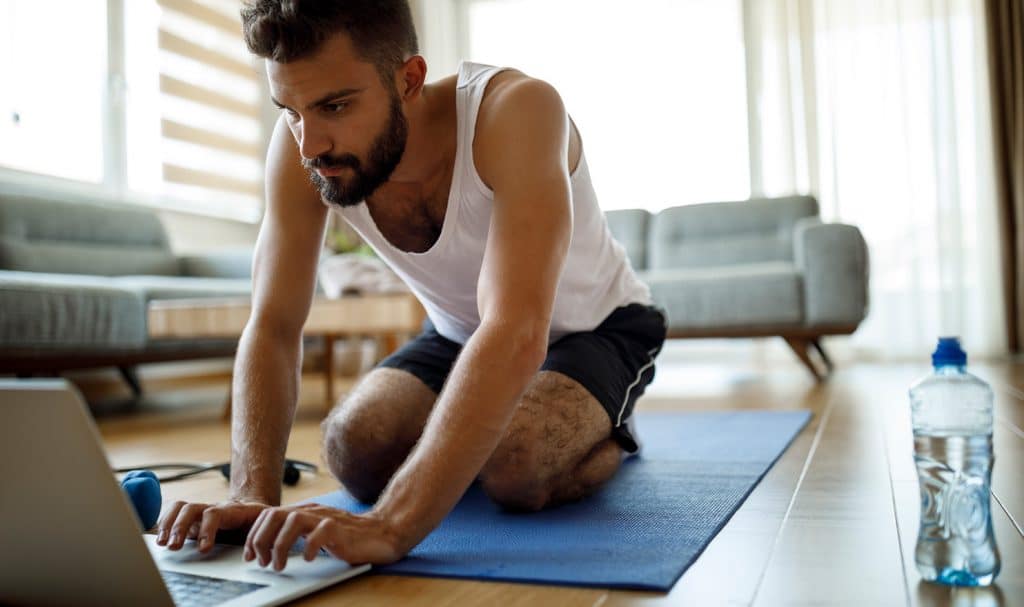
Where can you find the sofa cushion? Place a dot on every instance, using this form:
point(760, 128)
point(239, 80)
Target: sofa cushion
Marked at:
point(726, 233)
point(45, 235)
point(223, 263)
point(737, 296)
point(67, 311)
point(183, 287)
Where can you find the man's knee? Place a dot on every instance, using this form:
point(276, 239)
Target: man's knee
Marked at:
point(368, 436)
point(514, 476)
point(353, 457)
point(555, 424)
point(516, 493)
point(362, 449)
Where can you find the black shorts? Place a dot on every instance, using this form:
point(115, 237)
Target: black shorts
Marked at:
point(614, 362)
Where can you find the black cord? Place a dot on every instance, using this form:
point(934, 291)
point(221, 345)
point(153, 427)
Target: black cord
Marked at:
point(194, 469)
point(191, 470)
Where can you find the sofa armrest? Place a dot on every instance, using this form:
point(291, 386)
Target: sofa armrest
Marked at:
point(226, 263)
point(833, 259)
point(69, 311)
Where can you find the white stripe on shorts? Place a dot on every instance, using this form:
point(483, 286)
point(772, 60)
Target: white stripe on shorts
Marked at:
point(651, 354)
point(639, 374)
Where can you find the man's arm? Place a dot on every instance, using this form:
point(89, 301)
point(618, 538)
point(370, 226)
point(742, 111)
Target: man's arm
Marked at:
point(266, 373)
point(268, 364)
point(520, 151)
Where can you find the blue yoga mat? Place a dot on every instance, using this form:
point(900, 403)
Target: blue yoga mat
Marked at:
point(640, 531)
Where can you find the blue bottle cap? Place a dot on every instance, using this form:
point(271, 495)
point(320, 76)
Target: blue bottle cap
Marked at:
point(949, 352)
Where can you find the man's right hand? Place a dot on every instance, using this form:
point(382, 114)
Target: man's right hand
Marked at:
point(185, 520)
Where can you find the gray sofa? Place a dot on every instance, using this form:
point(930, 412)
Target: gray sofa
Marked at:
point(75, 279)
point(754, 268)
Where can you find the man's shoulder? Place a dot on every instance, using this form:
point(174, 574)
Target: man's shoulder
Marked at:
point(511, 89)
point(515, 110)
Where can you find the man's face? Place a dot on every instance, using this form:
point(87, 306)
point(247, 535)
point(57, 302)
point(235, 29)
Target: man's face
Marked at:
point(345, 179)
point(350, 128)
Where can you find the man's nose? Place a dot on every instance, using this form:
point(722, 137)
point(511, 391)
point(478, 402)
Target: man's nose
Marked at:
point(312, 140)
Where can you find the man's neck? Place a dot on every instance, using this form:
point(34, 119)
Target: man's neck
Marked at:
point(431, 138)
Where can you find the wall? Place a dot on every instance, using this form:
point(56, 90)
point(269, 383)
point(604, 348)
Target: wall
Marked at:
point(190, 233)
point(437, 29)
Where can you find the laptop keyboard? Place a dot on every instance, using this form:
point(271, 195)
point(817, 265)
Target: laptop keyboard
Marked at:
point(189, 590)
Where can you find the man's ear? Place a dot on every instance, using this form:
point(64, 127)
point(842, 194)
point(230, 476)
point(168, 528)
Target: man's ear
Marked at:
point(412, 75)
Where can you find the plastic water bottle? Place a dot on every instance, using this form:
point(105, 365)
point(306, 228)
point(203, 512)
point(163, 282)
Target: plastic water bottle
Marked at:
point(952, 415)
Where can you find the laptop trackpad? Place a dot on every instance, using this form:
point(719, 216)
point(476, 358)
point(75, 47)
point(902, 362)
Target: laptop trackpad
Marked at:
point(189, 553)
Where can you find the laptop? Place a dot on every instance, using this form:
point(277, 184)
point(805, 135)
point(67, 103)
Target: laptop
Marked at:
point(69, 534)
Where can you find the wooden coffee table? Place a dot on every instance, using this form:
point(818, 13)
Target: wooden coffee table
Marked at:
point(393, 317)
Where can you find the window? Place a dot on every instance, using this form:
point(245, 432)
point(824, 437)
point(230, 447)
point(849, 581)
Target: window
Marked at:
point(52, 99)
point(152, 100)
point(657, 131)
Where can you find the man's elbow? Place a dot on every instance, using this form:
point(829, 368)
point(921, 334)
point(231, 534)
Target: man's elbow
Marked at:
point(523, 343)
point(270, 329)
point(532, 352)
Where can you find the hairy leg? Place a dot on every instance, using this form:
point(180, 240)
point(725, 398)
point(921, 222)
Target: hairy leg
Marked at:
point(369, 434)
point(557, 447)
point(593, 471)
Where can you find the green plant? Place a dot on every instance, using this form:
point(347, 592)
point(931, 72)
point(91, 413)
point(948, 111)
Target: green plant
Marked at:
point(341, 241)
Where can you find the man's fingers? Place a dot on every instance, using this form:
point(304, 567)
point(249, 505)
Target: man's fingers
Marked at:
point(321, 536)
point(201, 522)
point(179, 531)
point(208, 527)
point(263, 540)
point(250, 551)
point(164, 526)
point(296, 524)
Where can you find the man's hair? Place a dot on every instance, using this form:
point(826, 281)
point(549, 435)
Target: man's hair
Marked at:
point(382, 31)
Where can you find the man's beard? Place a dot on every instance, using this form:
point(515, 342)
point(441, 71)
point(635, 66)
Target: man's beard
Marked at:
point(385, 153)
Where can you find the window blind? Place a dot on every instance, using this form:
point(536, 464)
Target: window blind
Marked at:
point(210, 107)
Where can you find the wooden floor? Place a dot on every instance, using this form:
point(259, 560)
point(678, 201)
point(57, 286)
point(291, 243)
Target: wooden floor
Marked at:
point(833, 523)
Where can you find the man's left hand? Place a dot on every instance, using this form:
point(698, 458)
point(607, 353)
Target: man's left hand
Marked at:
point(354, 538)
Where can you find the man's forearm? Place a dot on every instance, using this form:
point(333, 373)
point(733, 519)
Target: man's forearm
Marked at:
point(264, 393)
point(462, 432)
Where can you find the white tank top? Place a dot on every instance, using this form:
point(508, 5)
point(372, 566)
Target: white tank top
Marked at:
point(596, 279)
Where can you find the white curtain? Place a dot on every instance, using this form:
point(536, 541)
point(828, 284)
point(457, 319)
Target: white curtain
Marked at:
point(660, 102)
point(440, 36)
point(881, 109)
point(878, 107)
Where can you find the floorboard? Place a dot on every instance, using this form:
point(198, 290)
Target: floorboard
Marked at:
point(834, 522)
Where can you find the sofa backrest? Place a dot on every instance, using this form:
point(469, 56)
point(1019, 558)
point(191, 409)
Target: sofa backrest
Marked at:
point(629, 227)
point(726, 233)
point(41, 234)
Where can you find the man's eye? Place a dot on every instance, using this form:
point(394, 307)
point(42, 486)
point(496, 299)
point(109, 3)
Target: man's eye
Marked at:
point(291, 113)
point(334, 108)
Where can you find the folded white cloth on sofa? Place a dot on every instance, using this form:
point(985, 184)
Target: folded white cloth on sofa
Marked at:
point(351, 273)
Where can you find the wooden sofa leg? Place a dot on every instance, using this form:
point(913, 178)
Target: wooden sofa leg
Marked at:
point(821, 352)
point(801, 347)
point(131, 377)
